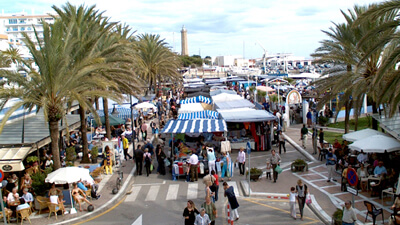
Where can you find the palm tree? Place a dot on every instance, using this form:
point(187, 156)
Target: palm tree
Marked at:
point(388, 75)
point(354, 78)
point(154, 61)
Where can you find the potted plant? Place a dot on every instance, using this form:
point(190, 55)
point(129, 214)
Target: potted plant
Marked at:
point(94, 153)
point(299, 165)
point(337, 217)
point(70, 155)
point(255, 173)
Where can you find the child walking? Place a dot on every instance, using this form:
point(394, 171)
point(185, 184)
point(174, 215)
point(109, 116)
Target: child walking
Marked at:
point(269, 169)
point(292, 202)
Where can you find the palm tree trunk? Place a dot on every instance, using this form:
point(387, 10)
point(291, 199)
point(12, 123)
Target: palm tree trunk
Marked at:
point(374, 111)
point(96, 101)
point(347, 117)
point(85, 150)
point(53, 128)
point(106, 118)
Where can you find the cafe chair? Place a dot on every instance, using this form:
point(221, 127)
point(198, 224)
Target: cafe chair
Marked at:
point(42, 202)
point(8, 214)
point(371, 209)
point(54, 208)
point(322, 154)
point(89, 194)
point(24, 214)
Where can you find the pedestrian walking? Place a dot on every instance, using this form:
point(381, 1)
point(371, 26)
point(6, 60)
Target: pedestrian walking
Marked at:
point(314, 139)
point(211, 210)
point(241, 159)
point(202, 218)
point(269, 169)
point(143, 128)
point(194, 160)
point(125, 146)
point(281, 142)
point(224, 161)
point(189, 213)
point(275, 160)
point(147, 161)
point(233, 203)
point(107, 160)
point(211, 160)
point(216, 183)
point(309, 118)
point(303, 135)
point(292, 202)
point(331, 161)
point(321, 138)
point(139, 160)
point(349, 216)
point(302, 191)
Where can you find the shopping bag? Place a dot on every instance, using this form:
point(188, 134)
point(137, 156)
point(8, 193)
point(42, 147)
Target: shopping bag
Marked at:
point(308, 199)
point(167, 162)
point(151, 167)
point(278, 169)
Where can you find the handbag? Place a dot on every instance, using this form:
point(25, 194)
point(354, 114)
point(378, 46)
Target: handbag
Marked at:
point(308, 199)
point(151, 167)
point(278, 169)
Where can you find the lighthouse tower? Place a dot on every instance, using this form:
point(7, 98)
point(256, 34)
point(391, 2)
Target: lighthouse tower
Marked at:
point(184, 43)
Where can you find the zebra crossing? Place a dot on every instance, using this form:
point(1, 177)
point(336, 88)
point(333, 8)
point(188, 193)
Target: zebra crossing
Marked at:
point(153, 192)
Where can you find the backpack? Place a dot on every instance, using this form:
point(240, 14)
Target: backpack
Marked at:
point(147, 159)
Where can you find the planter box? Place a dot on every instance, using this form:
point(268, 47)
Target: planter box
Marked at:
point(299, 168)
point(255, 177)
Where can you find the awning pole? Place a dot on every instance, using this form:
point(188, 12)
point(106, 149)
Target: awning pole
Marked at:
point(172, 148)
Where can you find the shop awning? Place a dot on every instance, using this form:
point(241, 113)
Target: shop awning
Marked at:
point(242, 103)
point(191, 107)
point(206, 114)
point(220, 91)
point(11, 158)
point(195, 126)
point(197, 99)
point(120, 112)
point(246, 115)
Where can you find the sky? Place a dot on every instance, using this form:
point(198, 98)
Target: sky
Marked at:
point(219, 27)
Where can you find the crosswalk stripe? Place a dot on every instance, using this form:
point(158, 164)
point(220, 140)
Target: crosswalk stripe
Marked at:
point(172, 193)
point(152, 194)
point(235, 188)
point(135, 192)
point(192, 191)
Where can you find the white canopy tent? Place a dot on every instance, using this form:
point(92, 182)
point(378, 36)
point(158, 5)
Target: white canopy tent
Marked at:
point(191, 107)
point(145, 105)
point(376, 144)
point(224, 97)
point(361, 134)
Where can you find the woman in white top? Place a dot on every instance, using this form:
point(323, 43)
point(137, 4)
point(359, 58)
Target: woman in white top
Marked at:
point(211, 160)
point(241, 158)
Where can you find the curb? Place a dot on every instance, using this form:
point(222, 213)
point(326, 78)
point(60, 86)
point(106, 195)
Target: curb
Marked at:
point(300, 149)
point(103, 207)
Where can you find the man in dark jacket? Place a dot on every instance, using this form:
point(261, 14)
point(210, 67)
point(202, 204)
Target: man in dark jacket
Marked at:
point(234, 205)
point(139, 160)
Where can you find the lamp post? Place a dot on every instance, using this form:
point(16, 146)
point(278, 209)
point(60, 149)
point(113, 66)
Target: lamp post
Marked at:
point(279, 101)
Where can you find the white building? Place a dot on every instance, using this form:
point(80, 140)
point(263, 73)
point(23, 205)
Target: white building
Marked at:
point(13, 25)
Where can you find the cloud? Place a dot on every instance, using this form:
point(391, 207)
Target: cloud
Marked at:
point(220, 27)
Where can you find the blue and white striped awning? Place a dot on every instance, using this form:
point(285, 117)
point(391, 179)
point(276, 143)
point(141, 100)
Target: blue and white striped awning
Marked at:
point(194, 126)
point(206, 114)
point(197, 99)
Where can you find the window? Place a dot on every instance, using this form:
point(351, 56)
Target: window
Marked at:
point(15, 28)
point(22, 28)
point(12, 21)
point(29, 28)
point(23, 21)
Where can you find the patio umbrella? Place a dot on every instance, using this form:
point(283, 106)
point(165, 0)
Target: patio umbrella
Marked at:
point(361, 134)
point(145, 105)
point(68, 175)
point(376, 144)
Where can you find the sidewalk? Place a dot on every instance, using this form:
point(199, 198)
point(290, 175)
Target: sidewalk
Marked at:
point(327, 196)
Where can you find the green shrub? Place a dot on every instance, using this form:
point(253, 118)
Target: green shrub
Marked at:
point(32, 159)
point(322, 120)
point(39, 185)
point(254, 171)
point(70, 154)
point(337, 216)
point(299, 162)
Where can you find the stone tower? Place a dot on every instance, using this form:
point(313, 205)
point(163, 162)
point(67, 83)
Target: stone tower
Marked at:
point(184, 43)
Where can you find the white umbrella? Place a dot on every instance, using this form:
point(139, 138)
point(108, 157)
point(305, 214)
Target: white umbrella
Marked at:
point(224, 97)
point(68, 175)
point(376, 144)
point(145, 105)
point(361, 134)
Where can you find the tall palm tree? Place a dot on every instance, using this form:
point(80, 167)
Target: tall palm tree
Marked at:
point(154, 61)
point(354, 79)
point(388, 75)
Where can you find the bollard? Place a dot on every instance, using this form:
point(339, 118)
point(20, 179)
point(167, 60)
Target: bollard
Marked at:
point(229, 213)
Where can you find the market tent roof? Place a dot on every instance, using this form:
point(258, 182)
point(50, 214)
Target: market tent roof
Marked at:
point(223, 97)
point(114, 121)
point(11, 158)
point(191, 107)
point(219, 91)
point(376, 144)
point(123, 113)
point(194, 94)
point(265, 89)
point(246, 115)
point(206, 114)
point(241, 103)
point(361, 134)
point(196, 99)
point(194, 126)
point(145, 105)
